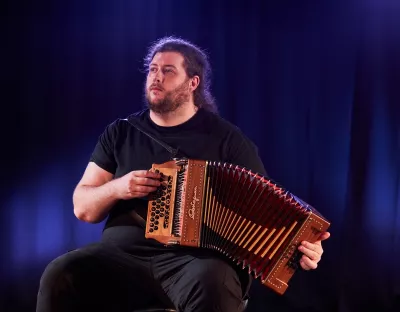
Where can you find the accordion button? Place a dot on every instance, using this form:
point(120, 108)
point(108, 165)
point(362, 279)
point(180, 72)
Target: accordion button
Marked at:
point(156, 228)
point(151, 230)
point(152, 219)
point(161, 215)
point(152, 224)
point(162, 209)
point(156, 222)
point(157, 211)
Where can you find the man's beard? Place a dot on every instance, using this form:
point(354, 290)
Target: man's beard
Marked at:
point(171, 101)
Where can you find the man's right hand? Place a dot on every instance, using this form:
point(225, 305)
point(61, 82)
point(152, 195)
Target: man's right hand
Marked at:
point(97, 191)
point(136, 184)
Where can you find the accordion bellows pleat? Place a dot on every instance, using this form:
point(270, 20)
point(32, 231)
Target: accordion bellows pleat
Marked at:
point(243, 215)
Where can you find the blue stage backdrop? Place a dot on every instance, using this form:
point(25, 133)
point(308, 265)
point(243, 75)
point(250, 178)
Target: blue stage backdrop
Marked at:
point(315, 84)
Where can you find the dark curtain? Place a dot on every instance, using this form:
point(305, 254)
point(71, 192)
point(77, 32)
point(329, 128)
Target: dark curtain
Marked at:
point(315, 84)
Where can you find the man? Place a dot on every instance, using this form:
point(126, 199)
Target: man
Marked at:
point(126, 271)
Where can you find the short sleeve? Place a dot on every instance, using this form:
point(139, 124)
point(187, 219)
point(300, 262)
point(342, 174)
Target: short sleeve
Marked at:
point(103, 154)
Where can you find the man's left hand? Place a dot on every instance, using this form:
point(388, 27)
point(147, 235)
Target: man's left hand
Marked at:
point(312, 252)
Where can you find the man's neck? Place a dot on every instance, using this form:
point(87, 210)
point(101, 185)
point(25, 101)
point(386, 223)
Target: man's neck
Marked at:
point(177, 117)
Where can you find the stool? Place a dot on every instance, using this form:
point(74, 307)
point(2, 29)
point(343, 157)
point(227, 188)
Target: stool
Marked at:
point(245, 302)
point(156, 310)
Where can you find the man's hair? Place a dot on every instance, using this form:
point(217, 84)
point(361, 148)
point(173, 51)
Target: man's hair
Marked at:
point(195, 63)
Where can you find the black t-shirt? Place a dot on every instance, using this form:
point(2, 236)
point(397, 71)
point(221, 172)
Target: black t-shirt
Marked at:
point(122, 148)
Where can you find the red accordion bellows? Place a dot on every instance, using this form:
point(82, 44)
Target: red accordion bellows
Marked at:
point(241, 214)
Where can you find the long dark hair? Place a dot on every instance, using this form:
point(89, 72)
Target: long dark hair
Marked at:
point(195, 63)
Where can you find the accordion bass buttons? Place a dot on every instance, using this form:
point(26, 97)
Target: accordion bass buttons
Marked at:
point(294, 256)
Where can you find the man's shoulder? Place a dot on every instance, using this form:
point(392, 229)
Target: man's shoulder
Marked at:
point(121, 125)
point(227, 127)
point(123, 121)
point(221, 124)
point(138, 116)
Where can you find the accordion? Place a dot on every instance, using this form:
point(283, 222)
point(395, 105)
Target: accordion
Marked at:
point(234, 211)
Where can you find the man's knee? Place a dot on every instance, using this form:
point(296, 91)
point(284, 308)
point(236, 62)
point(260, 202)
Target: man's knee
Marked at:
point(71, 266)
point(59, 273)
point(215, 287)
point(215, 273)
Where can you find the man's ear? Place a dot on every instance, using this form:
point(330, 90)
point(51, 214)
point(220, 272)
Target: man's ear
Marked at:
point(194, 83)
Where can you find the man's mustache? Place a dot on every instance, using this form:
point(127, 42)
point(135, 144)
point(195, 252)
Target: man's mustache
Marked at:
point(156, 86)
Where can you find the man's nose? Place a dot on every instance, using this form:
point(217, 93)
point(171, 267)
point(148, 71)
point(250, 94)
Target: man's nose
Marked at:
point(158, 77)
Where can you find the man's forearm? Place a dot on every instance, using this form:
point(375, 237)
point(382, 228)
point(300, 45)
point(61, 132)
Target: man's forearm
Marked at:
point(92, 203)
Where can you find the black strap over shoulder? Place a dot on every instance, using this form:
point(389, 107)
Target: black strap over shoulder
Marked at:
point(170, 149)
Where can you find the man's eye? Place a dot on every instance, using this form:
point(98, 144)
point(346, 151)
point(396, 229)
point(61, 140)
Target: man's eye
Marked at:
point(168, 70)
point(153, 70)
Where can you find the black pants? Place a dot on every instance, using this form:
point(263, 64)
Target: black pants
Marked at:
point(101, 277)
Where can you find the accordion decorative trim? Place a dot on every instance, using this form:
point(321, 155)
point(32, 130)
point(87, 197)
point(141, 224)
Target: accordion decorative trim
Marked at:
point(244, 216)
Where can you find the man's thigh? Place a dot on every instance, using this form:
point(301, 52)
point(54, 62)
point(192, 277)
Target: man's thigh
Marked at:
point(97, 276)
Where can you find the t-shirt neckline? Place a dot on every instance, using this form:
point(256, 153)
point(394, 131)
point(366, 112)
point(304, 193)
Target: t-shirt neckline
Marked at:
point(187, 125)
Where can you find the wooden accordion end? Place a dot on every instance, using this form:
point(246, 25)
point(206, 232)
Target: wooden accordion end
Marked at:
point(241, 214)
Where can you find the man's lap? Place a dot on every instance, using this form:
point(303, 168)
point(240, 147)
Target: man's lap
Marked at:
point(189, 278)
